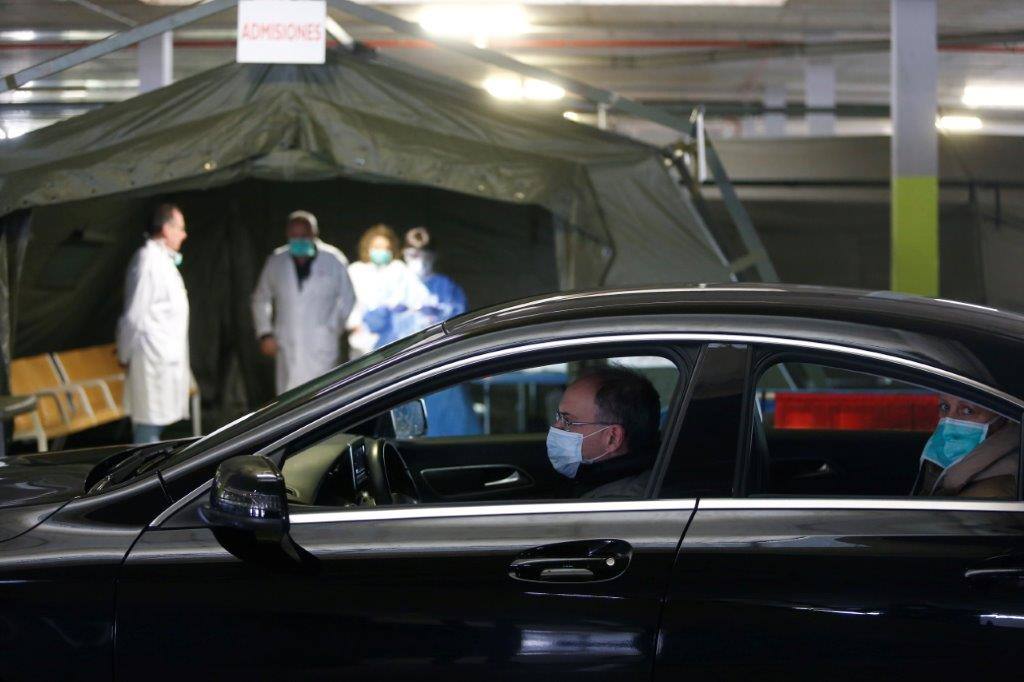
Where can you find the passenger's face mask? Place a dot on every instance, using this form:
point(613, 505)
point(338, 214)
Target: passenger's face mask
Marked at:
point(178, 259)
point(421, 263)
point(953, 440)
point(565, 450)
point(380, 256)
point(301, 247)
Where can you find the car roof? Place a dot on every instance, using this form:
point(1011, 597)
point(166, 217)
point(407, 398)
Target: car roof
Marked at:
point(993, 337)
point(793, 300)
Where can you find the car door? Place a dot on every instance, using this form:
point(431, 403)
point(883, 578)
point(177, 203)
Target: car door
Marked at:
point(794, 584)
point(507, 590)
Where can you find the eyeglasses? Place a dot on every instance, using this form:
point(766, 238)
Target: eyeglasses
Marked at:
point(571, 423)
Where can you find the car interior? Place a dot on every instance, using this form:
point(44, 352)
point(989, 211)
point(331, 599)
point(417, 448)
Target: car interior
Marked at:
point(827, 431)
point(483, 441)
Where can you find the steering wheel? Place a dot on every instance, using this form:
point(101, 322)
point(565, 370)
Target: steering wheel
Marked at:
point(382, 459)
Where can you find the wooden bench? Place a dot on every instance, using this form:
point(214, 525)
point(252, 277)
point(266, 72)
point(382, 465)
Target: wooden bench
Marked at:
point(77, 390)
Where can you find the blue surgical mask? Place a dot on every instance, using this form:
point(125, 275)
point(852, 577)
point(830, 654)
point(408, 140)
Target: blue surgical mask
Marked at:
point(952, 440)
point(380, 256)
point(565, 450)
point(302, 247)
point(178, 258)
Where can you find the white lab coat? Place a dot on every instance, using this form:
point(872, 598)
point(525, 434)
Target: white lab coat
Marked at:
point(152, 337)
point(307, 322)
point(388, 285)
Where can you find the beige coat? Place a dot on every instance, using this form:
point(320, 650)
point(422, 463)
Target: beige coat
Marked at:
point(988, 471)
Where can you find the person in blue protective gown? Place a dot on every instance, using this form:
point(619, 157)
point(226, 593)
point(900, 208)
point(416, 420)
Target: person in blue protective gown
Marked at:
point(420, 258)
point(449, 412)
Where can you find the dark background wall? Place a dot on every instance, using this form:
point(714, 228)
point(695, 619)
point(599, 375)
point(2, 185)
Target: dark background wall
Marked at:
point(74, 272)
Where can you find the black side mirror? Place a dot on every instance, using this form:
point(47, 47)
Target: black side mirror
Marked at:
point(249, 495)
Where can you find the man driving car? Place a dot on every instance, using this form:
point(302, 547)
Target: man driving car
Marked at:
point(605, 434)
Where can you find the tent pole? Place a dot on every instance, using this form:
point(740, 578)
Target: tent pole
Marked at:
point(756, 252)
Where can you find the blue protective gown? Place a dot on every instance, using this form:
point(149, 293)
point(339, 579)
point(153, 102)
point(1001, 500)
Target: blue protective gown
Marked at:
point(449, 412)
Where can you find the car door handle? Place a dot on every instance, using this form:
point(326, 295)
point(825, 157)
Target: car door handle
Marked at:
point(511, 479)
point(579, 561)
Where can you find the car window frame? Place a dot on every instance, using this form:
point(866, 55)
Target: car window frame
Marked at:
point(683, 356)
point(677, 339)
point(930, 378)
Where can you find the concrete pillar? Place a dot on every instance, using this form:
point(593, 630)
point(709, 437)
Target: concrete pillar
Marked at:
point(750, 126)
point(820, 92)
point(156, 62)
point(775, 121)
point(915, 187)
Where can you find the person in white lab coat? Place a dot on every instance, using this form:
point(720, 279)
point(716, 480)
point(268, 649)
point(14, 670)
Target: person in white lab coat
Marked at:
point(388, 293)
point(301, 302)
point(152, 334)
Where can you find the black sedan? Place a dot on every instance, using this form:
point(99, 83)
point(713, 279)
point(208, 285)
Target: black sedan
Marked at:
point(808, 509)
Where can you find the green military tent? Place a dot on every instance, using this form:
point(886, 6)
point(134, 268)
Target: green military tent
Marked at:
point(520, 200)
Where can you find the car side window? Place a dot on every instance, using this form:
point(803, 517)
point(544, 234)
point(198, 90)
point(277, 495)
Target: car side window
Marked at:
point(570, 428)
point(827, 430)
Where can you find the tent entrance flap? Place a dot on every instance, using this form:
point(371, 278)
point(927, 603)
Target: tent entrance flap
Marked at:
point(494, 250)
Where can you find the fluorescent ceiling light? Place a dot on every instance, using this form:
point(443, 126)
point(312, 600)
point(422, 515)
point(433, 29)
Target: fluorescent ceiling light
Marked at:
point(958, 124)
point(505, 87)
point(994, 96)
point(21, 36)
point(542, 91)
point(15, 129)
point(668, 3)
point(573, 116)
point(475, 22)
point(17, 96)
point(517, 89)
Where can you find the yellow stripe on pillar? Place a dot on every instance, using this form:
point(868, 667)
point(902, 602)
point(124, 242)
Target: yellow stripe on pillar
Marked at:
point(915, 235)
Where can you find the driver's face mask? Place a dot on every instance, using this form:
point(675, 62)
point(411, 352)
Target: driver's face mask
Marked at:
point(953, 440)
point(565, 450)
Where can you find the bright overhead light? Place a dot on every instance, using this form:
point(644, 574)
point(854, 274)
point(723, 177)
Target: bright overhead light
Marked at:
point(516, 89)
point(504, 87)
point(958, 124)
point(17, 96)
point(583, 3)
point(475, 22)
point(573, 116)
point(23, 36)
point(994, 96)
point(542, 91)
point(73, 94)
point(15, 129)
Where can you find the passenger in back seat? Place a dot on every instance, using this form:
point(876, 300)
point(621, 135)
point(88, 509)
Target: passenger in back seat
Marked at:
point(973, 452)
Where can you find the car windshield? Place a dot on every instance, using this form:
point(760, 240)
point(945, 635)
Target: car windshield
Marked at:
point(301, 394)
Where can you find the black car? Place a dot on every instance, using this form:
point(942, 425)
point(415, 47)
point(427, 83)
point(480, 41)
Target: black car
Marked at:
point(344, 530)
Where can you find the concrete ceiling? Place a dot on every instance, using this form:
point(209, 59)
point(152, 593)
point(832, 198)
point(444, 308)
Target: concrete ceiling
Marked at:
point(645, 52)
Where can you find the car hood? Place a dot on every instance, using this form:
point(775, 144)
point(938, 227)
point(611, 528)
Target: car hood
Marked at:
point(32, 487)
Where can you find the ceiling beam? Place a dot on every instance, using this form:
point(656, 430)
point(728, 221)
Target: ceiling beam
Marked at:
point(116, 42)
point(951, 42)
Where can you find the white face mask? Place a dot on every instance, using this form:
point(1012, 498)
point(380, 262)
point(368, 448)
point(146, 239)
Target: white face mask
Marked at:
point(565, 450)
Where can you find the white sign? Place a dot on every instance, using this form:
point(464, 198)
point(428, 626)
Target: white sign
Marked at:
point(281, 31)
